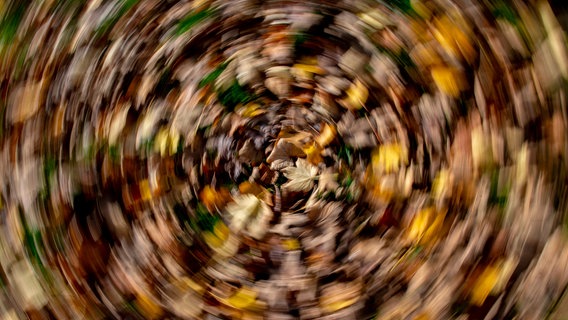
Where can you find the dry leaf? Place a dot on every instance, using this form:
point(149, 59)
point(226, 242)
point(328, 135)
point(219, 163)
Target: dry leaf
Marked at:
point(257, 190)
point(389, 158)
point(449, 80)
point(288, 147)
point(243, 299)
point(357, 95)
point(247, 211)
point(301, 177)
point(313, 153)
point(327, 135)
point(484, 285)
point(214, 199)
point(327, 180)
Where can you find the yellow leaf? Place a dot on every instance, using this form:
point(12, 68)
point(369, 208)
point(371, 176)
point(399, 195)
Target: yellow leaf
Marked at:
point(174, 138)
point(291, 244)
point(422, 316)
point(338, 305)
point(308, 68)
point(357, 95)
point(250, 213)
point(221, 230)
point(242, 299)
point(453, 39)
point(214, 199)
point(420, 8)
point(313, 153)
point(433, 230)
point(147, 306)
point(186, 282)
point(257, 190)
point(484, 285)
point(327, 135)
point(219, 235)
point(420, 224)
point(449, 80)
point(301, 177)
point(251, 110)
point(426, 226)
point(212, 240)
point(388, 158)
point(145, 190)
point(440, 183)
point(161, 141)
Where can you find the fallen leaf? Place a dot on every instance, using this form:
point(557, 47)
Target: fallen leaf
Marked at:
point(301, 177)
point(449, 80)
point(291, 244)
point(327, 180)
point(327, 135)
point(250, 213)
point(357, 95)
point(453, 39)
point(214, 199)
point(242, 299)
point(388, 158)
point(287, 147)
point(335, 306)
point(217, 237)
point(420, 224)
point(257, 190)
point(149, 308)
point(313, 153)
point(484, 285)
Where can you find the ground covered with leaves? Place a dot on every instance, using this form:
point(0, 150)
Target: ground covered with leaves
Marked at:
point(247, 159)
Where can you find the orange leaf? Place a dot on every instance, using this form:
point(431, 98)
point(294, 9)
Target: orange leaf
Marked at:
point(214, 199)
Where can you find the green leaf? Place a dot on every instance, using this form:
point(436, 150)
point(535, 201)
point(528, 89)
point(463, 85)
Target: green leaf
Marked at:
point(504, 11)
point(33, 244)
point(110, 22)
point(50, 166)
point(205, 220)
point(148, 144)
point(345, 153)
point(300, 38)
point(498, 196)
point(401, 58)
point(91, 152)
point(403, 6)
point(114, 153)
point(211, 77)
point(11, 21)
point(347, 181)
point(233, 96)
point(415, 252)
point(192, 19)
